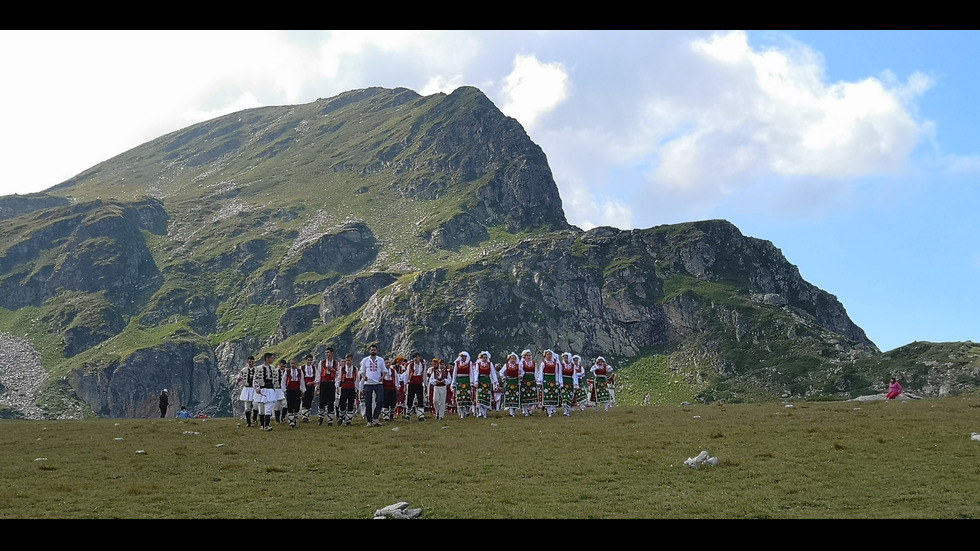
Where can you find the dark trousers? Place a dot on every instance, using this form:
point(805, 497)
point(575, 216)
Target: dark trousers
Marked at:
point(373, 396)
point(328, 393)
point(347, 396)
point(293, 398)
point(308, 397)
point(415, 393)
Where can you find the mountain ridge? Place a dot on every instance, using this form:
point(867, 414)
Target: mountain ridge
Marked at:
point(355, 219)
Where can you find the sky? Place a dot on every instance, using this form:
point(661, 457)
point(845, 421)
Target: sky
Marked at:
point(855, 152)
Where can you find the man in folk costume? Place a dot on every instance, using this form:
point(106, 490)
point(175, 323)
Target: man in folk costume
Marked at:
point(450, 393)
point(529, 383)
point(580, 396)
point(602, 372)
point(548, 375)
point(392, 384)
point(430, 395)
point(265, 391)
point(327, 377)
point(247, 378)
point(415, 379)
point(569, 383)
point(294, 385)
point(277, 382)
point(510, 380)
point(438, 384)
point(401, 383)
point(486, 383)
point(311, 378)
point(347, 379)
point(462, 384)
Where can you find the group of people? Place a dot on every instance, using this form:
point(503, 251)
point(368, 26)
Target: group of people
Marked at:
point(381, 389)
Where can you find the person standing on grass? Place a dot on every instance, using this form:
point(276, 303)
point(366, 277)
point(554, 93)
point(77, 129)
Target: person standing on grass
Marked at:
point(294, 385)
point(373, 374)
point(569, 383)
point(548, 379)
point(281, 405)
point(415, 380)
point(510, 380)
point(439, 384)
point(486, 383)
point(329, 371)
point(529, 383)
point(347, 379)
point(450, 392)
point(602, 372)
point(265, 391)
point(894, 390)
point(580, 396)
point(164, 403)
point(247, 378)
point(311, 382)
point(392, 385)
point(463, 384)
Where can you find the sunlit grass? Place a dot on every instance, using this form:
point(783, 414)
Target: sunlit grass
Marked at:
point(816, 460)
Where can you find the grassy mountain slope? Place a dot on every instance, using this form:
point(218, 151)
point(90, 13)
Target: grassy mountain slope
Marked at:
point(380, 215)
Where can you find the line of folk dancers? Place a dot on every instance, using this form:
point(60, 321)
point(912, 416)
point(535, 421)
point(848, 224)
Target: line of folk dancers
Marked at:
point(381, 390)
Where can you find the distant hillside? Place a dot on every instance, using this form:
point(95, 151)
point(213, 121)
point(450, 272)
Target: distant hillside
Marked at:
point(421, 223)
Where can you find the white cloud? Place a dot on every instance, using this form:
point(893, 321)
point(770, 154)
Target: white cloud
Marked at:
point(442, 84)
point(679, 129)
point(533, 89)
point(772, 111)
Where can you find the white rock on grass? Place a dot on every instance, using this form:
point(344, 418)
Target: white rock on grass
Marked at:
point(701, 458)
point(975, 437)
point(398, 510)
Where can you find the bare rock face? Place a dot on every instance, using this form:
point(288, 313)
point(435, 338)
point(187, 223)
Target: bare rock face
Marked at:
point(611, 292)
point(130, 387)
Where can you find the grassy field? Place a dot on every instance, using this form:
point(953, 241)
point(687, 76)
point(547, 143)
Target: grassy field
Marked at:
point(912, 459)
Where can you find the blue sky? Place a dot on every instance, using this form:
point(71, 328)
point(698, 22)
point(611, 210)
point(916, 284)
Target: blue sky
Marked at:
point(855, 152)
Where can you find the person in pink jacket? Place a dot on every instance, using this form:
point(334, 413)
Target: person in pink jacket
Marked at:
point(894, 389)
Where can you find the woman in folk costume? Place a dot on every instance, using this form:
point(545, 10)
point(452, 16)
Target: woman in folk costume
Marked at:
point(569, 382)
point(462, 384)
point(529, 383)
point(548, 375)
point(486, 383)
point(510, 381)
point(601, 371)
point(581, 398)
point(347, 378)
point(438, 384)
point(247, 379)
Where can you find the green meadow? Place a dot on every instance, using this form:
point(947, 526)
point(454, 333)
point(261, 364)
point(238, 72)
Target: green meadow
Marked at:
point(907, 459)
